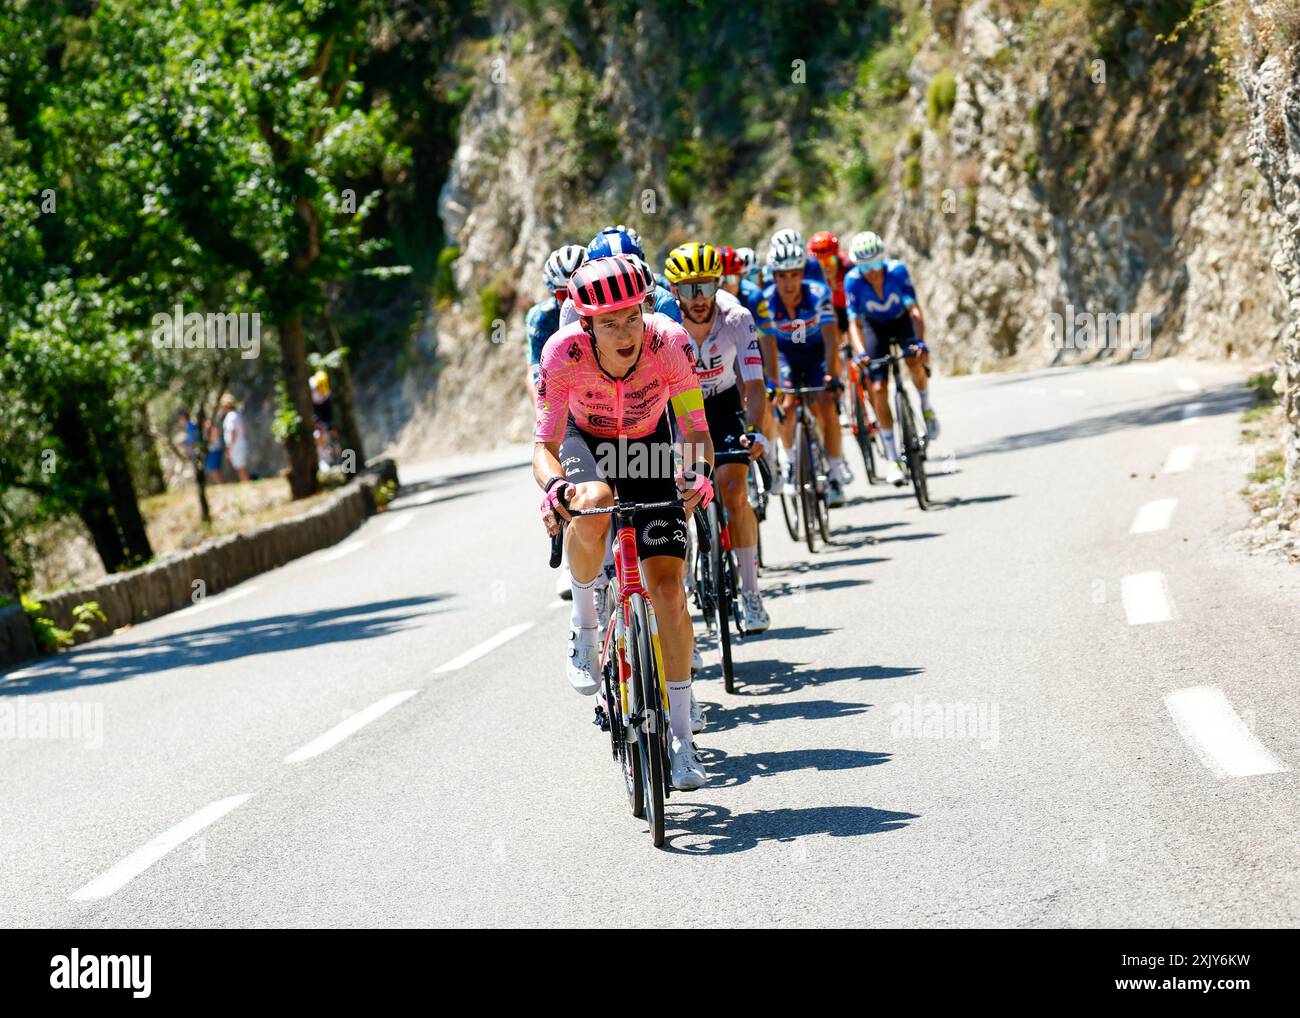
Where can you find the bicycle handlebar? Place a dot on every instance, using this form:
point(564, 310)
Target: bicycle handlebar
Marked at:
point(557, 541)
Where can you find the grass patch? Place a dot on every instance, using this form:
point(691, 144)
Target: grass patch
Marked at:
point(940, 97)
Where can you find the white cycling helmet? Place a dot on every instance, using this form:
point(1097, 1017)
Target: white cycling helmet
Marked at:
point(562, 263)
point(866, 247)
point(786, 255)
point(747, 258)
point(787, 236)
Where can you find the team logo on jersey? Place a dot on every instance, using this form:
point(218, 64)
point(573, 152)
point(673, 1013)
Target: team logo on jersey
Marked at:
point(601, 421)
point(541, 389)
point(656, 343)
point(575, 351)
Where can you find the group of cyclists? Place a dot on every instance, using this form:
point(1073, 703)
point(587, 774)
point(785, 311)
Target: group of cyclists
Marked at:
point(626, 364)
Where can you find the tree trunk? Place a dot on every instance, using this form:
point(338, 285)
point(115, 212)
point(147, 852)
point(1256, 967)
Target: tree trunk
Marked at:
point(93, 507)
point(103, 531)
point(126, 508)
point(342, 390)
point(299, 444)
point(150, 461)
point(8, 586)
point(200, 465)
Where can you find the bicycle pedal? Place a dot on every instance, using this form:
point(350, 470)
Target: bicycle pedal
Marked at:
point(601, 720)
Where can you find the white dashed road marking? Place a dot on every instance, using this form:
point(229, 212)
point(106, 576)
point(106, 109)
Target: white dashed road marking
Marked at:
point(346, 549)
point(395, 525)
point(356, 722)
point(142, 858)
point(1217, 735)
point(1145, 599)
point(1180, 459)
point(1189, 385)
point(1192, 411)
point(474, 653)
point(1154, 516)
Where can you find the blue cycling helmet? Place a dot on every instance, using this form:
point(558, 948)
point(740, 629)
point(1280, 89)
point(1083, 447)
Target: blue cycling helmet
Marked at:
point(615, 240)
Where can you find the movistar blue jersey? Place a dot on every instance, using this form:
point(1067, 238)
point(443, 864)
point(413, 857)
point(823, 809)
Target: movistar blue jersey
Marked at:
point(804, 326)
point(894, 299)
point(540, 323)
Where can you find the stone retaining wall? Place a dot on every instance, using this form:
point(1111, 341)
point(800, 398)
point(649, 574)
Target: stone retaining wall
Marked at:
point(171, 583)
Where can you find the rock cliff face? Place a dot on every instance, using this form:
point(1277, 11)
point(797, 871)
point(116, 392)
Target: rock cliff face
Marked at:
point(1269, 71)
point(1064, 180)
point(1072, 171)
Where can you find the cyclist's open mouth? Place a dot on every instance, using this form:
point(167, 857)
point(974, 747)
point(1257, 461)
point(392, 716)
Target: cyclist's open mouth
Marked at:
point(627, 351)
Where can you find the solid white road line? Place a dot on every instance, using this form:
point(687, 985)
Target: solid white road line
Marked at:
point(1192, 411)
point(216, 601)
point(1144, 598)
point(474, 653)
point(342, 730)
point(1154, 516)
point(1189, 384)
point(142, 858)
point(1217, 735)
point(1180, 459)
point(395, 525)
point(344, 549)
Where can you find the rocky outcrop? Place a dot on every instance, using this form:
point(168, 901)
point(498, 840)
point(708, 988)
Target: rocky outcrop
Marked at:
point(1057, 182)
point(1269, 71)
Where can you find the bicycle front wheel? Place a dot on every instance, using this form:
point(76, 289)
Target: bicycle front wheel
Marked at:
point(722, 595)
point(862, 433)
point(652, 730)
point(913, 447)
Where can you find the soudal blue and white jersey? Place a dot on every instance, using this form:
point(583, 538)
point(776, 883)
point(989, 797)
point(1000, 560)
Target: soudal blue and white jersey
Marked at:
point(751, 295)
point(804, 327)
point(894, 299)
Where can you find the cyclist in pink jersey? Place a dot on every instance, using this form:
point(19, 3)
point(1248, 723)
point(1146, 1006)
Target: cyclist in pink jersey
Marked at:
point(606, 382)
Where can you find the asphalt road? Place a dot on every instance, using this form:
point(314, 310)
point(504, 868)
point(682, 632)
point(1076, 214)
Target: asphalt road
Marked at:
point(1012, 710)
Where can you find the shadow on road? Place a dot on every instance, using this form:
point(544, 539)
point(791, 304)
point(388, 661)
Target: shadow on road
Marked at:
point(727, 832)
point(1228, 399)
point(724, 719)
point(771, 677)
point(727, 771)
point(99, 664)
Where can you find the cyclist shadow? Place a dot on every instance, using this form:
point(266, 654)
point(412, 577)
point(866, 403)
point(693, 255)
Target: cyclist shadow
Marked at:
point(771, 677)
point(821, 565)
point(726, 771)
point(726, 833)
point(798, 588)
point(724, 719)
point(957, 501)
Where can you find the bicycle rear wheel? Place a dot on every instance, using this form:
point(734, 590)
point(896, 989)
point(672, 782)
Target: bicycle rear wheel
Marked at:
point(807, 484)
point(862, 433)
point(913, 447)
point(822, 504)
point(722, 597)
point(652, 730)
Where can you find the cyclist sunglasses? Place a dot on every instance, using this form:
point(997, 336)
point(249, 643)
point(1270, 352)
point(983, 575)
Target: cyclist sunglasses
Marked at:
point(689, 291)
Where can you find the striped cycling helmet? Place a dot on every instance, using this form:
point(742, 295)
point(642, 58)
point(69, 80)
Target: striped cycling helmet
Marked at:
point(615, 240)
point(866, 247)
point(692, 261)
point(786, 236)
point(784, 256)
point(747, 258)
point(562, 263)
point(607, 284)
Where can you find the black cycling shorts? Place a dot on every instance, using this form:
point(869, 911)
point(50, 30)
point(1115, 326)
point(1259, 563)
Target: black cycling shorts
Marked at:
point(894, 330)
point(842, 318)
point(726, 426)
point(639, 470)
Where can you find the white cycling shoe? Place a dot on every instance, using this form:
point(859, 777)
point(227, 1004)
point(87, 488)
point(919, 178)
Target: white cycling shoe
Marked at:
point(753, 616)
point(584, 659)
point(697, 662)
point(697, 716)
point(894, 474)
point(834, 493)
point(787, 481)
point(931, 425)
point(688, 775)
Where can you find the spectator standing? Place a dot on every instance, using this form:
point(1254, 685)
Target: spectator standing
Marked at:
point(235, 433)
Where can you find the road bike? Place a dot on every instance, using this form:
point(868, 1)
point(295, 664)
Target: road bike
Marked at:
point(912, 440)
point(807, 511)
point(716, 585)
point(635, 703)
point(866, 428)
point(758, 489)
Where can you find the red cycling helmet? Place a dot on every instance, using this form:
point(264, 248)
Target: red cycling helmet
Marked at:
point(823, 244)
point(732, 263)
point(607, 284)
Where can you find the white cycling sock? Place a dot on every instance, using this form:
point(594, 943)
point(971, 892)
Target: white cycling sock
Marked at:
point(887, 434)
point(679, 709)
point(584, 604)
point(837, 466)
point(925, 400)
point(747, 558)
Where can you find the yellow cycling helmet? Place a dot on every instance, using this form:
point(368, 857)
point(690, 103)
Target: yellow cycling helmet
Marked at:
point(693, 261)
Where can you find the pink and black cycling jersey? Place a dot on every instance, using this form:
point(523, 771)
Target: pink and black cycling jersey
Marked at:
point(573, 382)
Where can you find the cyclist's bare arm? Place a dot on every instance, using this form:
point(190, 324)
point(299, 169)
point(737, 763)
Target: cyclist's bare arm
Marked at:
point(856, 340)
point(831, 339)
point(918, 320)
point(546, 462)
